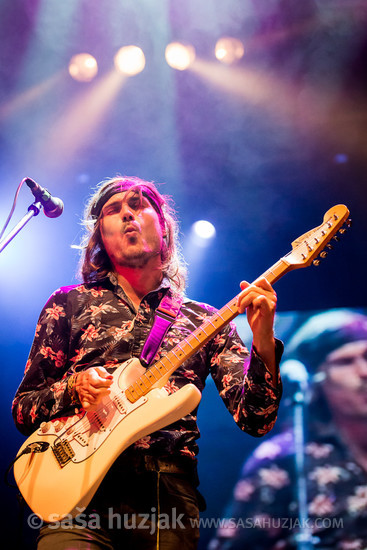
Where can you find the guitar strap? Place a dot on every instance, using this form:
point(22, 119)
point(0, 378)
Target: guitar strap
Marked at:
point(165, 315)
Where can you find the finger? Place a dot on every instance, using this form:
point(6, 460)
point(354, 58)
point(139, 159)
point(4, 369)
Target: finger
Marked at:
point(263, 304)
point(93, 395)
point(98, 381)
point(256, 299)
point(89, 399)
point(85, 387)
point(244, 301)
point(246, 288)
point(247, 296)
point(103, 373)
point(244, 284)
point(86, 392)
point(262, 282)
point(261, 286)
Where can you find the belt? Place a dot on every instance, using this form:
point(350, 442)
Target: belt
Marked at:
point(156, 464)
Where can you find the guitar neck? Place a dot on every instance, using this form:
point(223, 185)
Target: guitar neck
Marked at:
point(196, 340)
point(303, 253)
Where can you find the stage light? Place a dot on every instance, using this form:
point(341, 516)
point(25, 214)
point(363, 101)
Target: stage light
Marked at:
point(204, 229)
point(83, 67)
point(228, 50)
point(179, 56)
point(130, 60)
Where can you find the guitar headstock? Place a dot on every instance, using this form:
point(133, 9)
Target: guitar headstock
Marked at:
point(307, 247)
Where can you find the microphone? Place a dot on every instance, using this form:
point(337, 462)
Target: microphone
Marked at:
point(52, 206)
point(295, 371)
point(298, 379)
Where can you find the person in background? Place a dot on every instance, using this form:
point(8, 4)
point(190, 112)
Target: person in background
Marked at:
point(129, 267)
point(265, 511)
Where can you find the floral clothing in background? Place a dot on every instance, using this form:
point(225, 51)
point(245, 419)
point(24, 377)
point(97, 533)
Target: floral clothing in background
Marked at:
point(264, 512)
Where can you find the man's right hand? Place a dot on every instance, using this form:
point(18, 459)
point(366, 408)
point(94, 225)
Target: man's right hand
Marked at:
point(92, 385)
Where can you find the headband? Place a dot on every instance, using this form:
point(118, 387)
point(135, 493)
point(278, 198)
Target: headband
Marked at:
point(120, 187)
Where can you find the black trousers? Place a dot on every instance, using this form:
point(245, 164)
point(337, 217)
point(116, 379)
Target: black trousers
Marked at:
point(143, 503)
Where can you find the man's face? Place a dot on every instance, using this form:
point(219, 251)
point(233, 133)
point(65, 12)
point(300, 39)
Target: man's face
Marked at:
point(346, 379)
point(131, 230)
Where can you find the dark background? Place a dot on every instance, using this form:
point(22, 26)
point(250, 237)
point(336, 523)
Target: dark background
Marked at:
point(262, 149)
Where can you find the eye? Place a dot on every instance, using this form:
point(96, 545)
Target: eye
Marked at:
point(134, 202)
point(111, 209)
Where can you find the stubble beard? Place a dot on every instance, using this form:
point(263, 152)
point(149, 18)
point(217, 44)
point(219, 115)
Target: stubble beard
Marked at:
point(137, 256)
point(138, 259)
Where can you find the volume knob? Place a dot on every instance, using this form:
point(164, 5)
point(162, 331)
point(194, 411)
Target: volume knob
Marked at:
point(45, 426)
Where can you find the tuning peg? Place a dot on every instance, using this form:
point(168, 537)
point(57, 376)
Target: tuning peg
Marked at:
point(329, 246)
point(336, 238)
point(342, 230)
point(323, 254)
point(316, 262)
point(349, 222)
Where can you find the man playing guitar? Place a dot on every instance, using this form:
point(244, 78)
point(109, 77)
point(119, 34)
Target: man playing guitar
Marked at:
point(148, 497)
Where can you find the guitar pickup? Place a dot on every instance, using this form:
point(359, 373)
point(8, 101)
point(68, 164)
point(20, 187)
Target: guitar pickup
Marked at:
point(83, 441)
point(119, 404)
point(63, 452)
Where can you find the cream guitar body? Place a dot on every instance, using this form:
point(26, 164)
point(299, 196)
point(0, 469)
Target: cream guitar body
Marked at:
point(62, 479)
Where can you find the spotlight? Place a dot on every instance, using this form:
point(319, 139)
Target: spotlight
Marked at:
point(228, 50)
point(130, 60)
point(83, 67)
point(179, 56)
point(204, 229)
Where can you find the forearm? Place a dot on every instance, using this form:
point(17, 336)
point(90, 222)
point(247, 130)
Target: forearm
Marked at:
point(258, 403)
point(251, 391)
point(35, 405)
point(266, 349)
point(42, 394)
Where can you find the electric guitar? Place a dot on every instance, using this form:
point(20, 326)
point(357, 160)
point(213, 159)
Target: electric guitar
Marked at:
point(60, 466)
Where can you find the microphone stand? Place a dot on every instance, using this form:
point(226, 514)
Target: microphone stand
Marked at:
point(303, 538)
point(33, 210)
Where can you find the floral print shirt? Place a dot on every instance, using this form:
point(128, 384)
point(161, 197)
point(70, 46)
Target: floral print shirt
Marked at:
point(96, 325)
point(264, 512)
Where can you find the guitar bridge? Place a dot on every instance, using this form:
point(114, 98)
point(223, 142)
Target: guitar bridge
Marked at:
point(63, 452)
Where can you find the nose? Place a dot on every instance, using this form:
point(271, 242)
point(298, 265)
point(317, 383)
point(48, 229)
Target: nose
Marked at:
point(126, 213)
point(362, 367)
